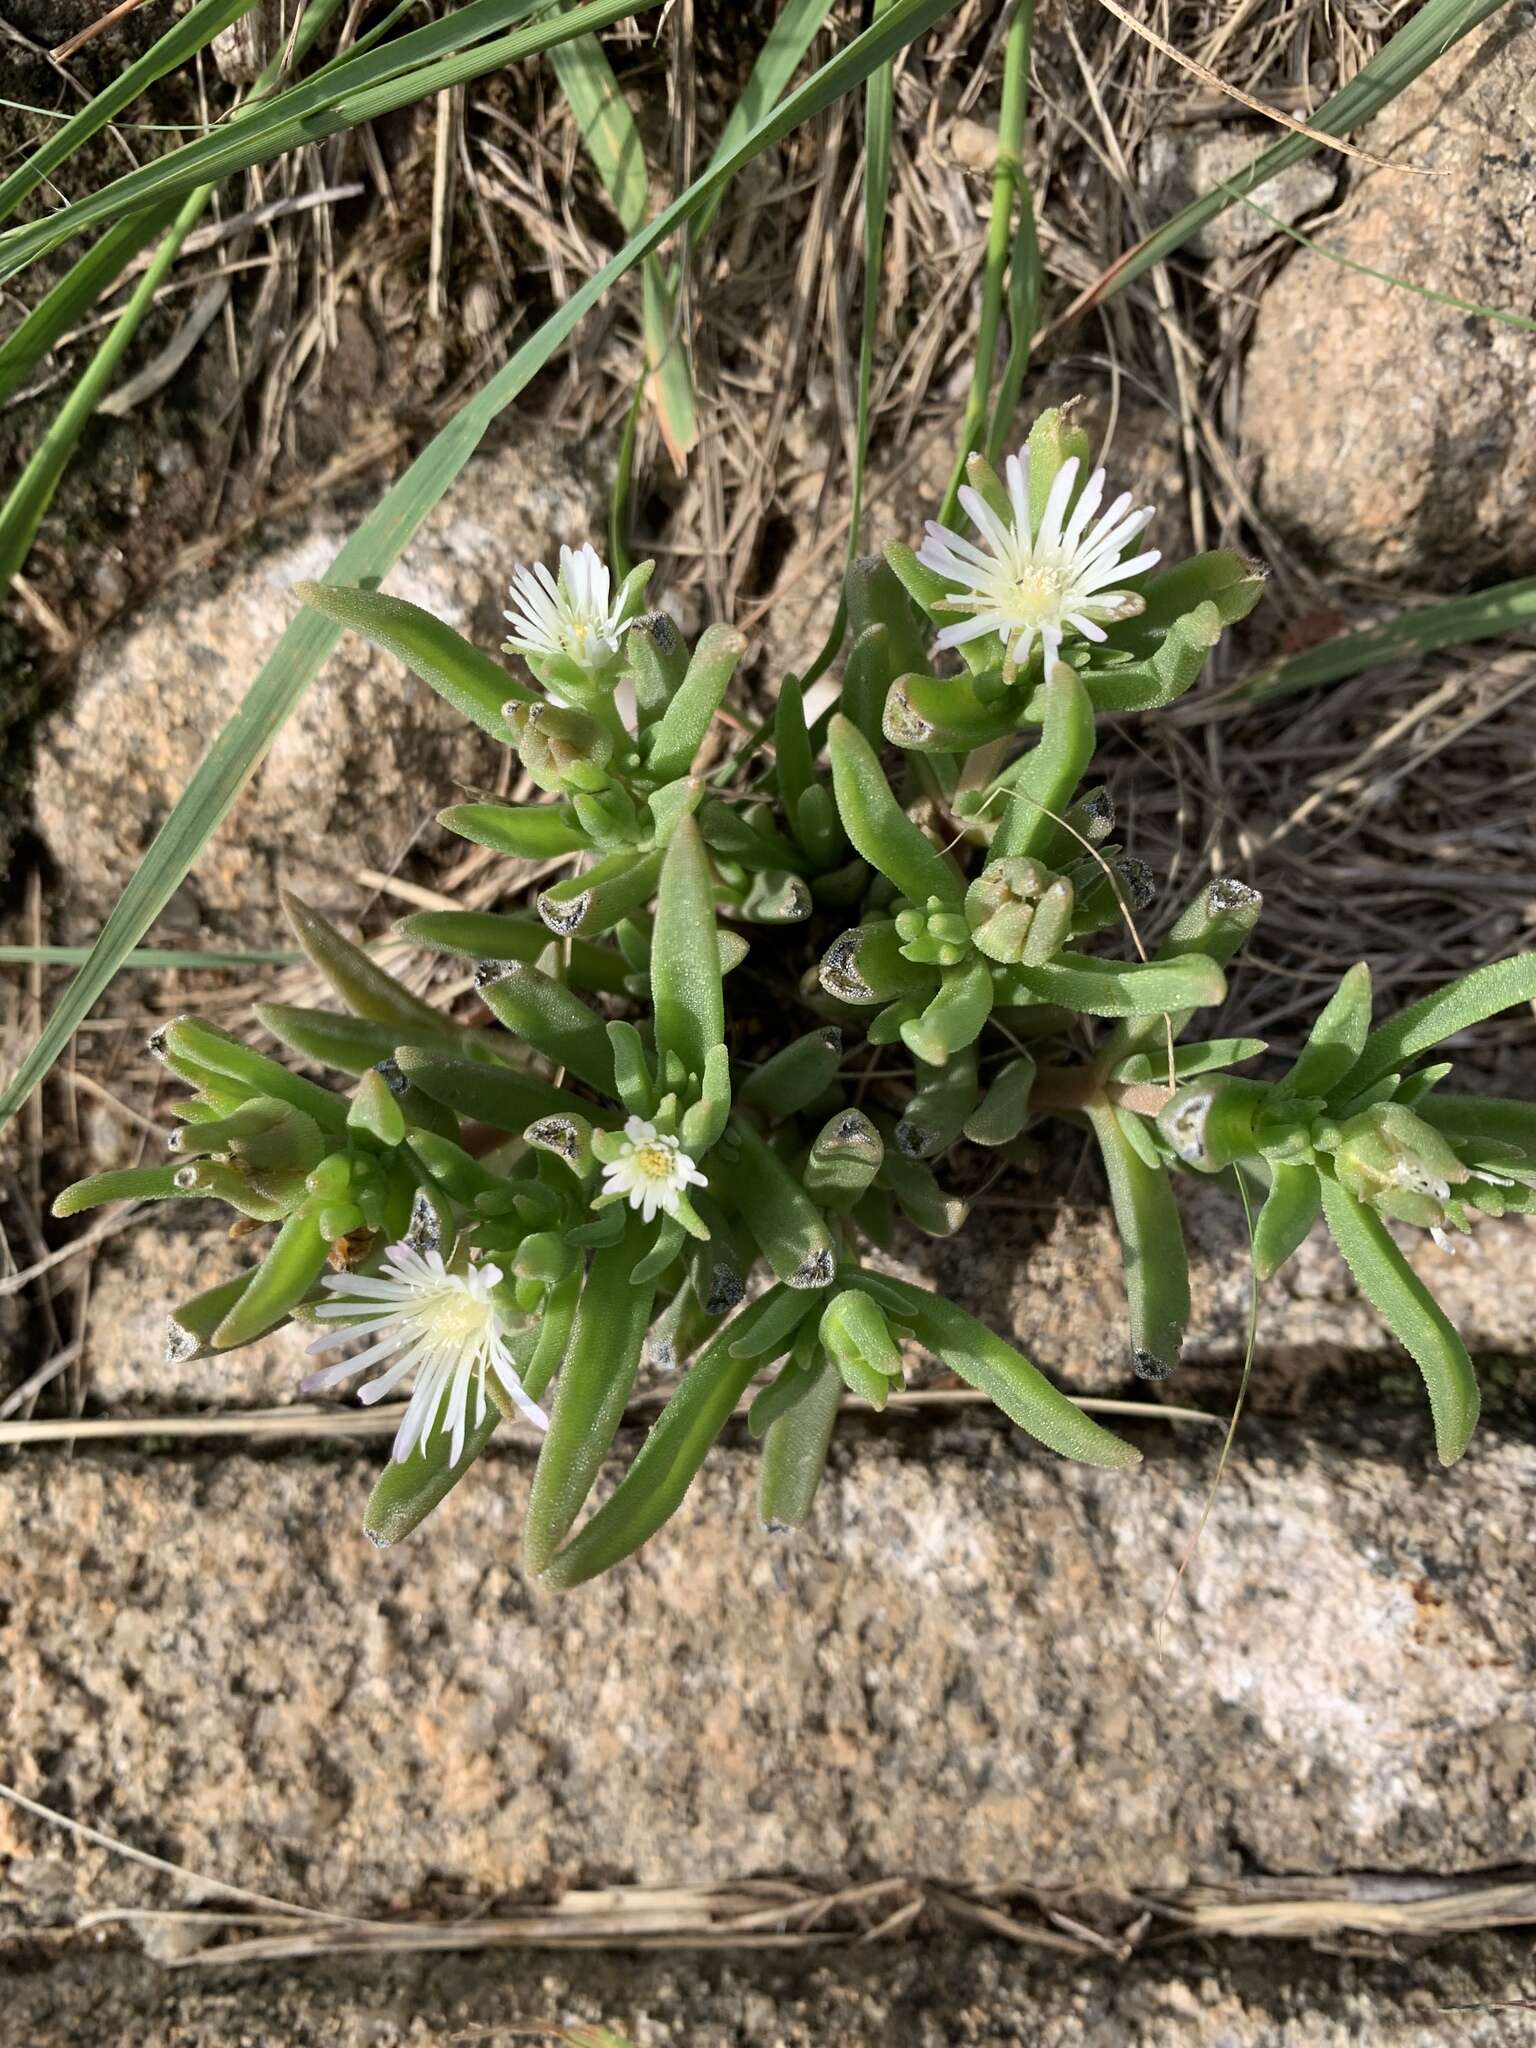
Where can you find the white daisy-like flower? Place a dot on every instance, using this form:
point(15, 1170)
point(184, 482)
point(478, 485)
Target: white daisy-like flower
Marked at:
point(651, 1172)
point(441, 1327)
point(574, 616)
point(1028, 585)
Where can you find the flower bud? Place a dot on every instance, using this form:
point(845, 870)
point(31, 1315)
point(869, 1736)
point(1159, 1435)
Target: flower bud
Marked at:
point(541, 1263)
point(292, 1141)
point(563, 750)
point(1397, 1164)
point(934, 935)
point(1000, 906)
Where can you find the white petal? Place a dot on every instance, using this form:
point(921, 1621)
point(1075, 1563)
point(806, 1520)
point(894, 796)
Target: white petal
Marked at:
point(1016, 469)
point(1083, 511)
point(350, 1332)
point(986, 520)
point(968, 629)
point(1055, 511)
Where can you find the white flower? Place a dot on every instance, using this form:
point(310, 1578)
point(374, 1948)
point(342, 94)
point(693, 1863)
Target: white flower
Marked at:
point(652, 1171)
point(572, 617)
point(1027, 586)
point(442, 1327)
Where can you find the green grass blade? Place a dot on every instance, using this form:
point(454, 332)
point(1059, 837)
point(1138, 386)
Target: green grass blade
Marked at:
point(72, 298)
point(1505, 609)
point(879, 103)
point(1427, 35)
point(607, 126)
point(341, 95)
point(179, 45)
point(788, 40)
point(1008, 183)
point(102, 264)
point(32, 493)
point(378, 542)
point(777, 61)
point(1500, 315)
point(613, 143)
point(148, 959)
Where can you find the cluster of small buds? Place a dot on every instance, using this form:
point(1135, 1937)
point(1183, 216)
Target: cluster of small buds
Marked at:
point(933, 935)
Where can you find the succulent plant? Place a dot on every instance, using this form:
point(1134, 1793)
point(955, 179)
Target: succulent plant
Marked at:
point(624, 1164)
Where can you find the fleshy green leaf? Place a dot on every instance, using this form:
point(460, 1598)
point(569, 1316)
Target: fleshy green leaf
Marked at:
point(1117, 988)
point(1337, 1038)
point(476, 686)
point(679, 1440)
point(521, 831)
point(954, 1018)
point(879, 827)
point(545, 1014)
point(1004, 1110)
point(595, 901)
point(499, 935)
point(217, 1051)
point(361, 983)
point(675, 738)
point(1151, 1250)
point(983, 1360)
point(796, 1075)
point(794, 1454)
point(685, 954)
point(1481, 994)
point(857, 1338)
point(497, 1096)
point(945, 714)
point(590, 1394)
point(293, 1264)
point(1215, 924)
point(785, 1224)
point(845, 1156)
point(1044, 784)
point(125, 1184)
point(1292, 1206)
point(353, 1045)
point(1412, 1314)
point(405, 1494)
point(1202, 1057)
point(945, 1097)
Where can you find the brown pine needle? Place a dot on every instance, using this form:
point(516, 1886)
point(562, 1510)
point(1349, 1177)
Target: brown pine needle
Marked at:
point(1213, 78)
point(93, 29)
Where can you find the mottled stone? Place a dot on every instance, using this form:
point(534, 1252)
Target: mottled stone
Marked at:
point(142, 1275)
point(1179, 165)
point(1395, 434)
point(954, 1670)
point(366, 758)
point(935, 1993)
